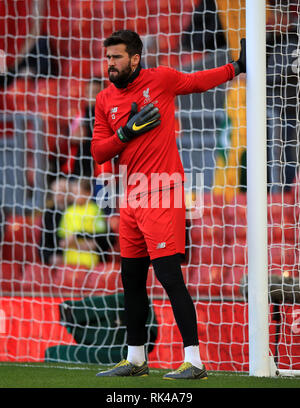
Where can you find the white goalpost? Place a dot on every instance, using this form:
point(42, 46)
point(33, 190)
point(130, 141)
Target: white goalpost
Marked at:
point(261, 363)
point(257, 189)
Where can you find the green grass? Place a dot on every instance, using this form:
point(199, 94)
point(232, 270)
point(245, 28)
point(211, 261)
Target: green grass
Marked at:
point(41, 375)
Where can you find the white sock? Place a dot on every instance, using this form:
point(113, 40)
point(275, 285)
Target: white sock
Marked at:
point(136, 355)
point(192, 355)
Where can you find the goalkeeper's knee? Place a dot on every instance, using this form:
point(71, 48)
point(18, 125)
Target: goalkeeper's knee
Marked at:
point(168, 272)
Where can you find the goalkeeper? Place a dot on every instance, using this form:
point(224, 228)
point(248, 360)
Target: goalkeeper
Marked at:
point(135, 120)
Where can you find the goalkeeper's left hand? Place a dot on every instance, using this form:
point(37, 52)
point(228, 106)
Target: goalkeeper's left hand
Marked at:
point(240, 64)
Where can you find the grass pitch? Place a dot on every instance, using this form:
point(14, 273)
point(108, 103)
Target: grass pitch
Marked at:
point(79, 376)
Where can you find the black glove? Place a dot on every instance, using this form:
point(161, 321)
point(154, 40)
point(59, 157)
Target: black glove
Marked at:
point(139, 122)
point(240, 64)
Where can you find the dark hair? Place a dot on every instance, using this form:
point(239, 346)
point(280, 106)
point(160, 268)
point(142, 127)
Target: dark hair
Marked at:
point(130, 38)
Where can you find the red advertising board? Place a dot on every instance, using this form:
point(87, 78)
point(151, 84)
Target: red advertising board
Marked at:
point(29, 325)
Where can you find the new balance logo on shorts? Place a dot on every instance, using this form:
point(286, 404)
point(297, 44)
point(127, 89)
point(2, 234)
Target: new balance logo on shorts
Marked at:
point(161, 245)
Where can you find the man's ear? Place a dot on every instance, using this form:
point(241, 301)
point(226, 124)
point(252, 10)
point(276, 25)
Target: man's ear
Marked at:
point(135, 60)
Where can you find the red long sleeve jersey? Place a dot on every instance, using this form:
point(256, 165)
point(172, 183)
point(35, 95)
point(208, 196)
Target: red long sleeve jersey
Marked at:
point(155, 151)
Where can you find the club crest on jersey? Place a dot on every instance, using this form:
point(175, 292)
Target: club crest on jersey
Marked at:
point(146, 96)
point(113, 111)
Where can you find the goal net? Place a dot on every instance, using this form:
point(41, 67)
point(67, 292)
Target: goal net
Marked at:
point(61, 296)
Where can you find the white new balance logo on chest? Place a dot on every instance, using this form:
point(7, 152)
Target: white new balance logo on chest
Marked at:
point(113, 111)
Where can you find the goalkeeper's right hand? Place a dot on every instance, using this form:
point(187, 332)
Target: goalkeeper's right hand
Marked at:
point(139, 122)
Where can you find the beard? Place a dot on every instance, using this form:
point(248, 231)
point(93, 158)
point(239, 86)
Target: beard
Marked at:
point(119, 77)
